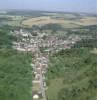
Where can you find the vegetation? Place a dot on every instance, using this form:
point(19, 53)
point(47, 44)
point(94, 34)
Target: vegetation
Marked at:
point(15, 71)
point(71, 74)
point(26, 13)
point(53, 27)
point(6, 39)
point(90, 43)
point(15, 75)
point(89, 37)
point(77, 70)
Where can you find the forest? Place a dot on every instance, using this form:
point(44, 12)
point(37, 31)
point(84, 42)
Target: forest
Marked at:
point(15, 70)
point(77, 69)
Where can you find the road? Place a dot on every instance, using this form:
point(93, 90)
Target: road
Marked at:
point(41, 63)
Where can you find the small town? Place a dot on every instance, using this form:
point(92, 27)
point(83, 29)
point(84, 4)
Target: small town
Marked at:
point(52, 43)
point(41, 46)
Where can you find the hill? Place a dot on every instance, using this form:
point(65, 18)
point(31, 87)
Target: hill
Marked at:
point(72, 75)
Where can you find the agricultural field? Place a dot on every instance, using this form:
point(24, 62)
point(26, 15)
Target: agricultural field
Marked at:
point(66, 23)
point(29, 19)
point(87, 21)
point(11, 20)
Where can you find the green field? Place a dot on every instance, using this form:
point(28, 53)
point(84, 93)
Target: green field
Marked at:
point(94, 51)
point(55, 86)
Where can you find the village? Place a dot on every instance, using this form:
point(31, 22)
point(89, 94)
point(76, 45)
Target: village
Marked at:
point(41, 46)
point(27, 42)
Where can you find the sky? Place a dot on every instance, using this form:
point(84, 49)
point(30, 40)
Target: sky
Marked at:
point(89, 6)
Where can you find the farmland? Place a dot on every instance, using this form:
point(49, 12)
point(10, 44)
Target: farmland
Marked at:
point(66, 23)
point(31, 18)
point(47, 20)
point(11, 20)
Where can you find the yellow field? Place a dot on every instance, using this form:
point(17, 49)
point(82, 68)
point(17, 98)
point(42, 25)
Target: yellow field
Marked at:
point(48, 20)
point(41, 21)
point(65, 23)
point(36, 87)
point(87, 21)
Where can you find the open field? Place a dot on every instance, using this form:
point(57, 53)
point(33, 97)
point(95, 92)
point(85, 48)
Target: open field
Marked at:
point(41, 21)
point(36, 87)
point(54, 88)
point(48, 20)
point(87, 21)
point(94, 51)
point(64, 22)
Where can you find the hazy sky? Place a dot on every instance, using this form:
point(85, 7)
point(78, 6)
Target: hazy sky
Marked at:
point(51, 5)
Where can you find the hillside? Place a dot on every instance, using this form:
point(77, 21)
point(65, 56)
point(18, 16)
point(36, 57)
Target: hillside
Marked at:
point(15, 71)
point(72, 75)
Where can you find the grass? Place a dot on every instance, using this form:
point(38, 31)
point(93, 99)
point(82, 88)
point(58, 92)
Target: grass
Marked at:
point(57, 84)
point(36, 87)
point(94, 51)
point(53, 89)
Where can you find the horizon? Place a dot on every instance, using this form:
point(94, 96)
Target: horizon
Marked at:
point(49, 11)
point(77, 6)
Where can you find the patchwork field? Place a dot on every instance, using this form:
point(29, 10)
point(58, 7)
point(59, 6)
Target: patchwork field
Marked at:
point(41, 21)
point(11, 20)
point(63, 19)
point(64, 22)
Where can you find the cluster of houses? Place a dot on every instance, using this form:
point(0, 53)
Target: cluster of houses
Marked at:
point(39, 69)
point(27, 42)
point(52, 43)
